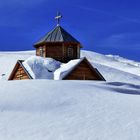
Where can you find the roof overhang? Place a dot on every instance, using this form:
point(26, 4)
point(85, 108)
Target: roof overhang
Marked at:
point(49, 43)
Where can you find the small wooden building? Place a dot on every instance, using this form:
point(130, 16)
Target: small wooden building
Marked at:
point(58, 44)
point(19, 72)
point(84, 71)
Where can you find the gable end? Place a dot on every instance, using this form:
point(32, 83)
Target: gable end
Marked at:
point(19, 72)
point(84, 71)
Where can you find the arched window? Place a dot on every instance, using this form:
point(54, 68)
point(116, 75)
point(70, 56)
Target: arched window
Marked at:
point(70, 52)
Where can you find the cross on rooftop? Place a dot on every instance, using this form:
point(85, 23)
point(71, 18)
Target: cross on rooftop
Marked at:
point(58, 17)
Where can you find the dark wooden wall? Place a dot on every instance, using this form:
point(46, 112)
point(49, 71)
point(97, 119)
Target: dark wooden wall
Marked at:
point(83, 72)
point(58, 51)
point(19, 74)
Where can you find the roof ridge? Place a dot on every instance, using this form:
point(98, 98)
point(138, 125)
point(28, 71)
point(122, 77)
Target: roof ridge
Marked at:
point(68, 34)
point(61, 32)
point(46, 35)
point(52, 33)
point(58, 34)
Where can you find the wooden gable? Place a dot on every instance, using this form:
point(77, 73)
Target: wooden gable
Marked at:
point(84, 71)
point(19, 72)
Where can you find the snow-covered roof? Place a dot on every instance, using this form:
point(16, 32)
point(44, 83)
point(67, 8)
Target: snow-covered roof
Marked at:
point(48, 68)
point(41, 68)
point(65, 69)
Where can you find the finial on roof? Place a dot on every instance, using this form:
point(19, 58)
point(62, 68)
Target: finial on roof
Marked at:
point(58, 17)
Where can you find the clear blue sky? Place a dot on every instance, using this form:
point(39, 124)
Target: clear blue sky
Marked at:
point(104, 26)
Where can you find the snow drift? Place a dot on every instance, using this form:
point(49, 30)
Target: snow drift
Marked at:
point(69, 110)
point(48, 68)
point(41, 68)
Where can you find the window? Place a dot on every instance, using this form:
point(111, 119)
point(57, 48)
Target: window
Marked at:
point(70, 52)
point(41, 51)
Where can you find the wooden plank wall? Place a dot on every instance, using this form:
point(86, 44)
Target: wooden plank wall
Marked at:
point(82, 72)
point(20, 74)
point(58, 51)
point(55, 52)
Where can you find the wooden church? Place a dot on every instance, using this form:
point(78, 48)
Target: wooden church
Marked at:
point(60, 45)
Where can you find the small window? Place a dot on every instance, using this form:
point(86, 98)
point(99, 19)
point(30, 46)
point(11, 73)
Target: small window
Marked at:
point(70, 52)
point(41, 51)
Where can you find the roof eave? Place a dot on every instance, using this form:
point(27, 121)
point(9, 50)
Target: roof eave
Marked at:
point(44, 43)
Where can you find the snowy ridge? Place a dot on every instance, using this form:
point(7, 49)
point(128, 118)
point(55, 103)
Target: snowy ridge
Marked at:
point(114, 62)
point(123, 60)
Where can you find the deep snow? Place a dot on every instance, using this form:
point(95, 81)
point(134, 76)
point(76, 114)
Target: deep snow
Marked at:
point(71, 110)
point(41, 68)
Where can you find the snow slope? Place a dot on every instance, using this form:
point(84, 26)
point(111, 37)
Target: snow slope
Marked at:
point(71, 110)
point(9, 59)
point(116, 62)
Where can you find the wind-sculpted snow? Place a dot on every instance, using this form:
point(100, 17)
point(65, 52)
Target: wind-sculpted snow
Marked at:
point(69, 110)
point(41, 68)
point(115, 75)
point(124, 88)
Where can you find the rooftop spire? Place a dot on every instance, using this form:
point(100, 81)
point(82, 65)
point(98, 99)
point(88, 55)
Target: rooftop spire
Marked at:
point(58, 17)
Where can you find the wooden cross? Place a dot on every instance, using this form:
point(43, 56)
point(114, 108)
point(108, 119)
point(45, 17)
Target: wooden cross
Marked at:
point(58, 17)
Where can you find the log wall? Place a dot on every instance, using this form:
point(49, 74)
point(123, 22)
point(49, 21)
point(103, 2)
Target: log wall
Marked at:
point(20, 74)
point(58, 51)
point(83, 72)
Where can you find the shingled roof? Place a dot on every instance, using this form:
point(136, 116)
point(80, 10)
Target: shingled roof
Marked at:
point(57, 35)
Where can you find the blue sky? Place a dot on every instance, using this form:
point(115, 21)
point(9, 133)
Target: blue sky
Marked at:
point(108, 27)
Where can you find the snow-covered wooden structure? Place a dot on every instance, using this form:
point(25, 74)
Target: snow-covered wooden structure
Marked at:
point(19, 72)
point(83, 70)
point(59, 45)
point(35, 68)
